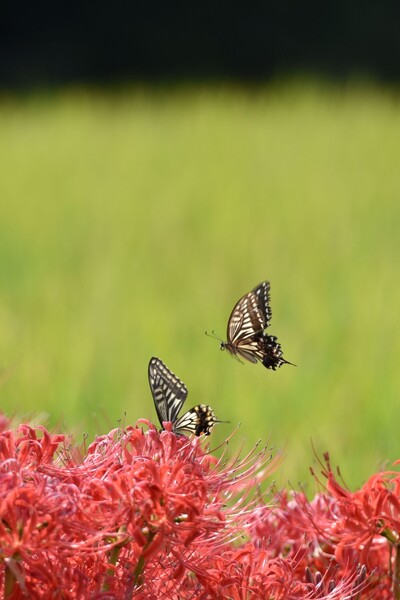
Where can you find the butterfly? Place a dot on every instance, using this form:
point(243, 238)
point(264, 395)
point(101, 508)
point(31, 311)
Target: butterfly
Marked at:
point(169, 393)
point(249, 318)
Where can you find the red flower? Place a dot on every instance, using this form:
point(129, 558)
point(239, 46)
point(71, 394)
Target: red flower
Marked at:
point(137, 511)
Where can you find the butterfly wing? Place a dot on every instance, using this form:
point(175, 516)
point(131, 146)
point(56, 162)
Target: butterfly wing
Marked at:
point(199, 419)
point(261, 309)
point(250, 316)
point(271, 352)
point(169, 392)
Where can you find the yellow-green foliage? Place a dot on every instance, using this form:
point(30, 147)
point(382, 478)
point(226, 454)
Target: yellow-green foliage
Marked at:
point(131, 222)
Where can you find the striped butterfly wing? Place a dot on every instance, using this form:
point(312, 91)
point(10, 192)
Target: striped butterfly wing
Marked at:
point(199, 419)
point(263, 312)
point(169, 392)
point(250, 316)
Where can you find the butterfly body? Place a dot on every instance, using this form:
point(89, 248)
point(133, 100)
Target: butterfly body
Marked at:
point(169, 393)
point(246, 336)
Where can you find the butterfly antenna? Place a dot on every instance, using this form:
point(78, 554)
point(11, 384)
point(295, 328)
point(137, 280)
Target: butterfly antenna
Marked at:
point(213, 335)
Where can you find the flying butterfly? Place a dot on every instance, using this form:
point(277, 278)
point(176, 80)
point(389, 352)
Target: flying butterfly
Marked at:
point(249, 318)
point(169, 393)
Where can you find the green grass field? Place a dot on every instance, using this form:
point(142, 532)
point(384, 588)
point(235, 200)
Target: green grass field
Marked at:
point(131, 222)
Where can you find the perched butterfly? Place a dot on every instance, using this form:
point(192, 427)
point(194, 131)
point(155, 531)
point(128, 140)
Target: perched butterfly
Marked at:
point(169, 394)
point(251, 315)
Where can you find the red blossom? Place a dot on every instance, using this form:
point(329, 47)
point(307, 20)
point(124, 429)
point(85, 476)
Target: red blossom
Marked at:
point(149, 515)
point(367, 518)
point(136, 511)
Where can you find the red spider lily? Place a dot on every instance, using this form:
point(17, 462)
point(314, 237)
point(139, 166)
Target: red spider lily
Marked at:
point(252, 573)
point(337, 530)
point(132, 516)
point(368, 523)
point(151, 515)
point(292, 528)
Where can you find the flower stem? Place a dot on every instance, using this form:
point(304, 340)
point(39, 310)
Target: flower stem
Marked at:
point(137, 575)
point(114, 554)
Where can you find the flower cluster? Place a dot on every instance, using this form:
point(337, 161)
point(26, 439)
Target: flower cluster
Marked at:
point(149, 515)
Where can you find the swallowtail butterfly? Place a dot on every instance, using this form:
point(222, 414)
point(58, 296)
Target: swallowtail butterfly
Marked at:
point(250, 316)
point(169, 394)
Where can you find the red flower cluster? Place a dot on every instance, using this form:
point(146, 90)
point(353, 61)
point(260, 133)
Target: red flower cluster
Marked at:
point(339, 530)
point(150, 515)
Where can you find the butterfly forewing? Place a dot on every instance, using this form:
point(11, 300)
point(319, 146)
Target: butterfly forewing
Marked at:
point(251, 315)
point(169, 392)
point(262, 311)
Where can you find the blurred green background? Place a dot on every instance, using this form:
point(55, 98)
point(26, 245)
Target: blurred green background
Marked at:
point(132, 221)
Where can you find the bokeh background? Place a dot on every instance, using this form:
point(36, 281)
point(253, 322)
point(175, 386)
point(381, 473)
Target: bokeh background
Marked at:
point(158, 162)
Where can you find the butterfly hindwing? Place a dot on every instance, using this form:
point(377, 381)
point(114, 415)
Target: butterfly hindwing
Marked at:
point(271, 352)
point(199, 419)
point(169, 393)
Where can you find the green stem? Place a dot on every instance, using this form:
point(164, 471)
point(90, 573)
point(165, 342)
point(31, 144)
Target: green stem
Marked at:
point(391, 536)
point(113, 560)
point(114, 554)
point(137, 575)
point(138, 572)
